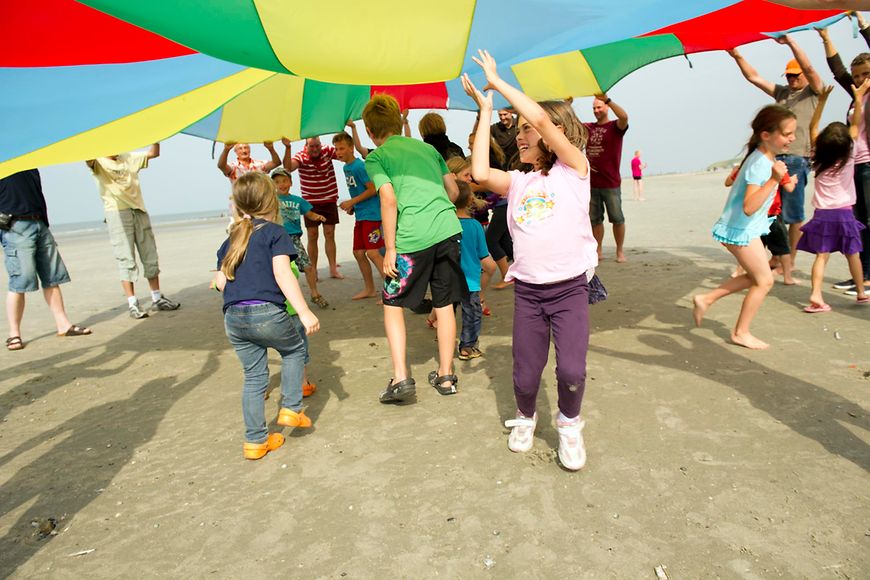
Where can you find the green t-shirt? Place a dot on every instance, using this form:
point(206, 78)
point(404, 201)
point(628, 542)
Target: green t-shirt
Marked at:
point(416, 170)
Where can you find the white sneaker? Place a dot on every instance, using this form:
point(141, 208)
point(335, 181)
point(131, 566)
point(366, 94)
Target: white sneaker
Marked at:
point(522, 432)
point(572, 451)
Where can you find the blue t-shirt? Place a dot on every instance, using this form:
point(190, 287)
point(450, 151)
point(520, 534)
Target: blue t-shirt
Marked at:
point(254, 279)
point(356, 176)
point(735, 227)
point(292, 208)
point(473, 251)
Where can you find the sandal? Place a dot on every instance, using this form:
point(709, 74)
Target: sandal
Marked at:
point(14, 343)
point(308, 389)
point(485, 309)
point(75, 330)
point(438, 383)
point(401, 392)
point(320, 301)
point(469, 352)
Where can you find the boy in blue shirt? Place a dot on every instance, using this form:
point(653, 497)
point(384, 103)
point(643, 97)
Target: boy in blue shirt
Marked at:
point(292, 207)
point(365, 205)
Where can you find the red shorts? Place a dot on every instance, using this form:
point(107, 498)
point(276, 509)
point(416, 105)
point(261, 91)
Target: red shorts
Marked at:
point(367, 235)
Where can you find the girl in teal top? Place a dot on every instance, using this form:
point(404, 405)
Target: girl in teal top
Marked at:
point(744, 220)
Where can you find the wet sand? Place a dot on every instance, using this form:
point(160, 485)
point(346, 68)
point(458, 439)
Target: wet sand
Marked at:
point(707, 458)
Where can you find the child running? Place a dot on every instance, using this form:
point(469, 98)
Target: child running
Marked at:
point(422, 238)
point(744, 220)
point(256, 279)
point(833, 227)
point(555, 254)
point(292, 207)
point(474, 255)
point(365, 205)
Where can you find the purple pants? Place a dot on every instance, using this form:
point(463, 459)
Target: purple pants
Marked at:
point(538, 308)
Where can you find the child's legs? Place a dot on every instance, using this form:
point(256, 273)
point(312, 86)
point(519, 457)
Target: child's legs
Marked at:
point(753, 258)
point(313, 235)
point(531, 346)
point(857, 271)
point(365, 269)
point(472, 314)
point(568, 310)
point(448, 288)
point(818, 278)
point(394, 324)
point(256, 372)
point(446, 317)
point(311, 278)
point(289, 341)
point(377, 261)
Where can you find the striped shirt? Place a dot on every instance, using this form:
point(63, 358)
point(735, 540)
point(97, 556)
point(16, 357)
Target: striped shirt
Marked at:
point(317, 176)
point(238, 169)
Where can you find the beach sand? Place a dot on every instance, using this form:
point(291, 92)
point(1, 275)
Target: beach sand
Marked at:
point(709, 459)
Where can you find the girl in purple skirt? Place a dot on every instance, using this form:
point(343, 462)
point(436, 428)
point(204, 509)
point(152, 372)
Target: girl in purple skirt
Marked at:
point(833, 227)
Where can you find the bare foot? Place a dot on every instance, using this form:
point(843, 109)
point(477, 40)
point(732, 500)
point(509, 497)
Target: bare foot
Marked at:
point(337, 275)
point(748, 341)
point(699, 309)
point(502, 285)
point(642, 199)
point(790, 281)
point(620, 257)
point(363, 295)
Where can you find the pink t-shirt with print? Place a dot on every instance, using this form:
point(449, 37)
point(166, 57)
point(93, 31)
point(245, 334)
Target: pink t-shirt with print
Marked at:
point(835, 189)
point(548, 218)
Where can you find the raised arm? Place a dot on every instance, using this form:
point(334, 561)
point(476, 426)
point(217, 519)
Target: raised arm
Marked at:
point(494, 180)
point(288, 162)
point(357, 144)
point(275, 161)
point(406, 126)
point(858, 112)
point(813, 78)
point(835, 63)
point(621, 115)
point(154, 151)
point(535, 115)
point(817, 114)
point(222, 160)
point(750, 74)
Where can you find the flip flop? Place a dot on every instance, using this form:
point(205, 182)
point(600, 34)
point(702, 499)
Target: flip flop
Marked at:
point(865, 300)
point(817, 308)
point(75, 330)
point(14, 343)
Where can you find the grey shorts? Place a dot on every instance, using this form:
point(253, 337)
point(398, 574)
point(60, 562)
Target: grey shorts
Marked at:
point(32, 257)
point(602, 198)
point(302, 260)
point(130, 233)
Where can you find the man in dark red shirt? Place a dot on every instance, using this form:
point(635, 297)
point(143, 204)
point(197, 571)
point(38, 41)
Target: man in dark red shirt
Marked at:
point(604, 150)
point(319, 188)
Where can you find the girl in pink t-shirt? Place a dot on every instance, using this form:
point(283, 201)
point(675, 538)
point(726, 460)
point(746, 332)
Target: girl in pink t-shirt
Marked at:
point(637, 167)
point(555, 254)
point(833, 227)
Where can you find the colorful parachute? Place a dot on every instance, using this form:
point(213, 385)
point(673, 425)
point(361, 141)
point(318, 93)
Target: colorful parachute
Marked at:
point(116, 87)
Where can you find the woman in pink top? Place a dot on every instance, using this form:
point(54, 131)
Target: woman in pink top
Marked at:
point(637, 167)
point(833, 227)
point(554, 255)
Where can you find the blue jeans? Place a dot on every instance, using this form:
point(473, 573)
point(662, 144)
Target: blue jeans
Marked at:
point(31, 255)
point(793, 202)
point(472, 316)
point(252, 329)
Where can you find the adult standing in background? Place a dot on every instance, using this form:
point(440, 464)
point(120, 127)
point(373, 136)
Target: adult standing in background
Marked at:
point(31, 255)
point(243, 163)
point(800, 96)
point(604, 151)
point(433, 131)
point(505, 134)
point(320, 189)
point(129, 225)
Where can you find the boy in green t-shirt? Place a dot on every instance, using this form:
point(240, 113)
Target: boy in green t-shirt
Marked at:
point(422, 236)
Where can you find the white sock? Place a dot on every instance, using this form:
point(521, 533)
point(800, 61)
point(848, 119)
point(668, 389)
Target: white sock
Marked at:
point(565, 420)
point(156, 295)
point(132, 301)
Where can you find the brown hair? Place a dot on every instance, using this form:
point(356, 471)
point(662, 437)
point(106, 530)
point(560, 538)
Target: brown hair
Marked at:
point(862, 58)
point(457, 164)
point(254, 196)
point(466, 198)
point(432, 124)
point(382, 116)
point(768, 120)
point(496, 153)
point(342, 137)
point(561, 114)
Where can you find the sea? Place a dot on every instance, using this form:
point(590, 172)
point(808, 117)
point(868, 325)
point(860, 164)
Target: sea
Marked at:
point(72, 229)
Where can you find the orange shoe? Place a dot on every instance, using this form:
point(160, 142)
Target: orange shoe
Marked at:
point(289, 418)
point(259, 450)
point(308, 389)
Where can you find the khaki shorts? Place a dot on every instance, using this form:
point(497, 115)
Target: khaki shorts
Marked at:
point(130, 233)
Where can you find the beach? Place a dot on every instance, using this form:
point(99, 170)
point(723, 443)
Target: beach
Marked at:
point(711, 460)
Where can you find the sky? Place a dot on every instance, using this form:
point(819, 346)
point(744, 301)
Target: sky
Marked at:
point(684, 114)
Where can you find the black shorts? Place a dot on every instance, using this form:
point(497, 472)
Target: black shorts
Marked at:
point(777, 239)
point(437, 266)
point(329, 210)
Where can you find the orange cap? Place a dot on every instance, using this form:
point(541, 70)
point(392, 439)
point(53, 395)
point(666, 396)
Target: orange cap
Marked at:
point(793, 68)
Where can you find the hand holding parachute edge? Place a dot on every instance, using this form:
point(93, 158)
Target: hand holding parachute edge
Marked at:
point(484, 103)
point(490, 69)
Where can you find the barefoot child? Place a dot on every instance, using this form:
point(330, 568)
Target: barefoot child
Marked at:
point(637, 167)
point(745, 219)
point(833, 227)
point(256, 280)
point(474, 256)
point(292, 207)
point(554, 255)
point(365, 205)
point(421, 236)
